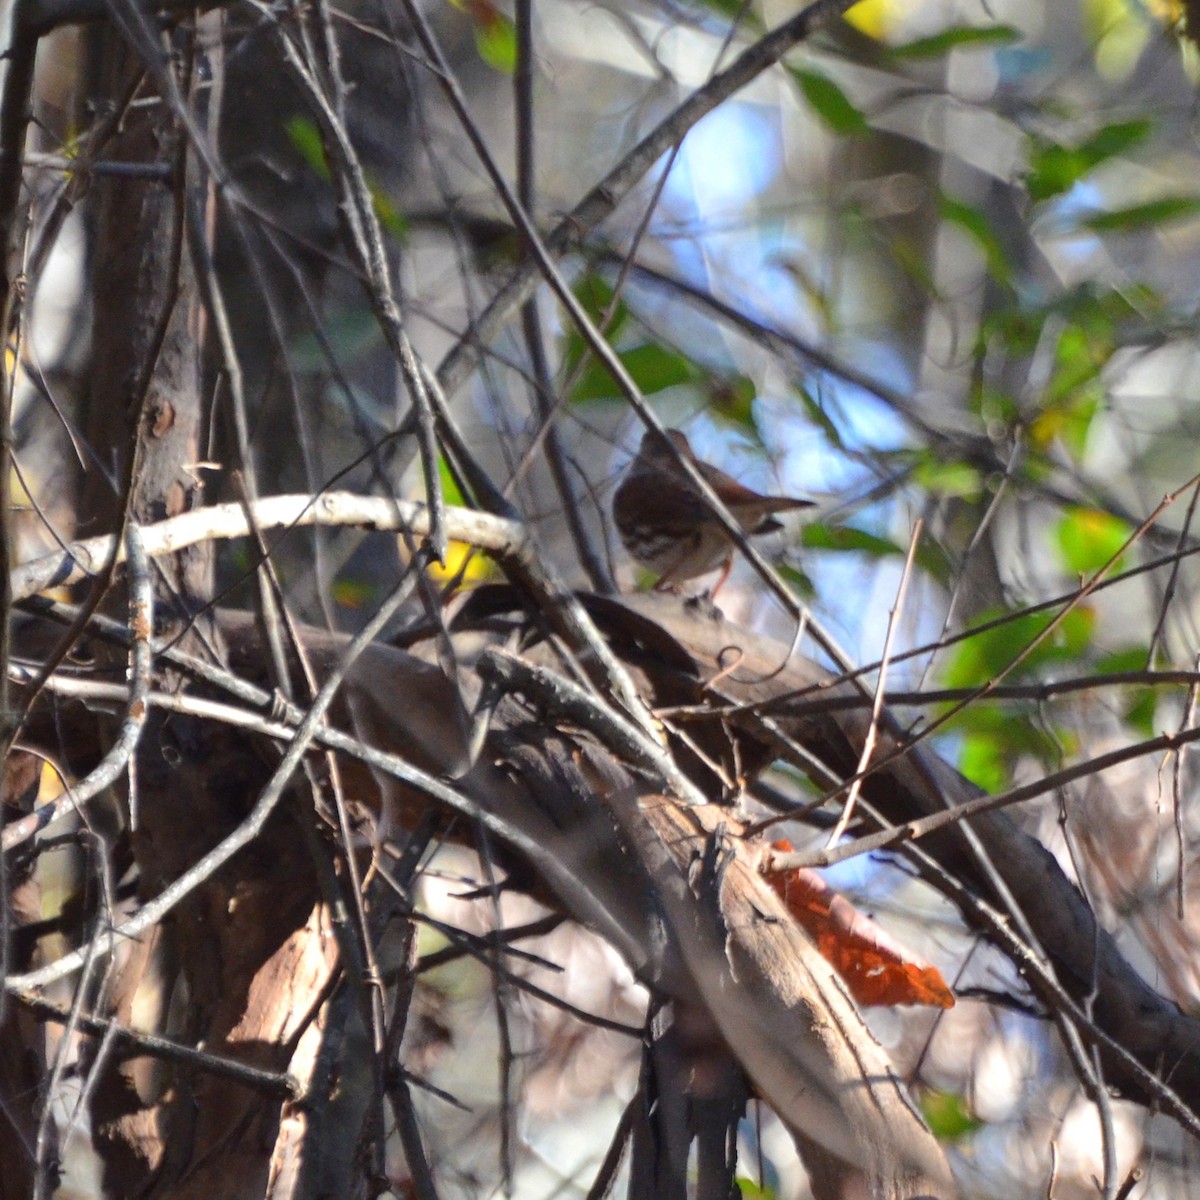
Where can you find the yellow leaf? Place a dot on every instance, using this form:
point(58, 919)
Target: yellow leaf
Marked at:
point(462, 557)
point(872, 17)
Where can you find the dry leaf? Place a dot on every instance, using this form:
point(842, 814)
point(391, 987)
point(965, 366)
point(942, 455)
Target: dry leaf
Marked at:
point(877, 969)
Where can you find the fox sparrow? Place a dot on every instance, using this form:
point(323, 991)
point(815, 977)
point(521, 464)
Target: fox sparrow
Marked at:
point(666, 525)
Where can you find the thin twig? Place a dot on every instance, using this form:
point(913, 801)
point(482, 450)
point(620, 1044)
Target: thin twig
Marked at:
point(923, 826)
point(1032, 964)
point(15, 112)
point(872, 733)
point(985, 689)
point(154, 910)
point(783, 343)
point(271, 1083)
point(548, 865)
point(999, 622)
point(44, 1139)
point(607, 194)
point(1189, 714)
point(506, 539)
point(356, 210)
point(1172, 579)
point(976, 540)
point(53, 1134)
point(559, 697)
point(535, 339)
point(815, 700)
point(606, 1173)
point(141, 623)
point(508, 935)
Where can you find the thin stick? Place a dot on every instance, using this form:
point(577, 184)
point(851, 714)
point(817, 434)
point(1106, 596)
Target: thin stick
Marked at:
point(269, 1082)
point(141, 623)
point(923, 826)
point(356, 210)
point(1189, 713)
point(607, 194)
point(153, 911)
point(562, 698)
point(868, 747)
point(987, 688)
point(1172, 579)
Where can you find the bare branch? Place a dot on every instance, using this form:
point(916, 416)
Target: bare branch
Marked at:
point(275, 512)
point(135, 1042)
point(141, 623)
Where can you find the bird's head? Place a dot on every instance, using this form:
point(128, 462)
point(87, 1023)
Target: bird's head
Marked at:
point(655, 450)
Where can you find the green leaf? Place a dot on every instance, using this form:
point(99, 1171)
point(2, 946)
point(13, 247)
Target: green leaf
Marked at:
point(1141, 709)
point(1088, 538)
point(818, 536)
point(595, 293)
point(496, 42)
point(1079, 356)
point(987, 756)
point(749, 1190)
point(992, 404)
point(948, 1115)
point(451, 492)
point(958, 37)
point(1055, 169)
point(831, 104)
point(846, 539)
point(1075, 391)
point(390, 217)
point(1069, 420)
point(748, 20)
point(799, 581)
point(974, 222)
point(984, 761)
point(1132, 658)
point(936, 563)
point(306, 140)
point(653, 368)
point(912, 257)
point(1117, 138)
point(819, 417)
point(1139, 704)
point(353, 593)
point(949, 478)
point(1018, 328)
point(996, 736)
point(1138, 216)
point(347, 333)
point(982, 657)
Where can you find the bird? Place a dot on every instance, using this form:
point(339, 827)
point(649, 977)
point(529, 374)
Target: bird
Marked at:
point(666, 525)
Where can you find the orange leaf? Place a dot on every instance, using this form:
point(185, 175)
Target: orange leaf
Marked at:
point(876, 968)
